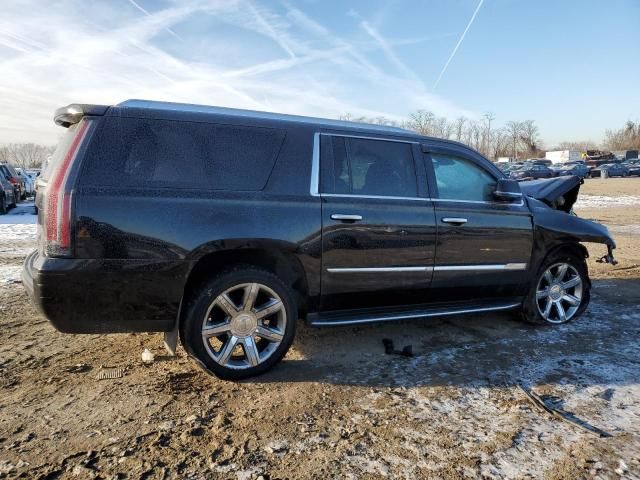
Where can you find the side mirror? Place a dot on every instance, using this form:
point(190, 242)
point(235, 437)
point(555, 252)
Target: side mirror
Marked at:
point(508, 190)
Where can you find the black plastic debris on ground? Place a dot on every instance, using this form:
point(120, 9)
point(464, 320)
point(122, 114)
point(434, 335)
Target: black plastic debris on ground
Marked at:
point(407, 350)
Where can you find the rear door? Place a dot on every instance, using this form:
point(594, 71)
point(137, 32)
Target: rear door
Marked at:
point(378, 227)
point(484, 246)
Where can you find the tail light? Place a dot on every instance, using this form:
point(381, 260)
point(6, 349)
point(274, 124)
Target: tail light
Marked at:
point(58, 201)
point(13, 180)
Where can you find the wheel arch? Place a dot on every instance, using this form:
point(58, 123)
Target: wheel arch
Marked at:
point(572, 247)
point(276, 257)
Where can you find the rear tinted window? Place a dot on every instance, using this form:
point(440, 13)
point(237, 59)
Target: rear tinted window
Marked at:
point(164, 153)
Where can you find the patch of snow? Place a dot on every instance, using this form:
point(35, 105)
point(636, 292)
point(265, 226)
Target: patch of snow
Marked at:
point(605, 201)
point(632, 229)
point(10, 273)
point(18, 231)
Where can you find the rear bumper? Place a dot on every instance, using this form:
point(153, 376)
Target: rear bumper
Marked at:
point(82, 296)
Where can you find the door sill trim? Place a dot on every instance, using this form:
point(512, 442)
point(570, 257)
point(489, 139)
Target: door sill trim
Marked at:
point(317, 320)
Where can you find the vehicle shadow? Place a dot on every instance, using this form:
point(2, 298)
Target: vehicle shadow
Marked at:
point(474, 350)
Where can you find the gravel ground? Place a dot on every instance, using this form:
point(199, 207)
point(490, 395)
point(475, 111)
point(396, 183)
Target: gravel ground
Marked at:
point(337, 406)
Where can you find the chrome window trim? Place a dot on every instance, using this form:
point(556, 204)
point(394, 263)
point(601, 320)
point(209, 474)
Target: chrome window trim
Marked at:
point(437, 268)
point(314, 189)
point(365, 137)
point(346, 195)
point(482, 202)
point(315, 165)
point(421, 199)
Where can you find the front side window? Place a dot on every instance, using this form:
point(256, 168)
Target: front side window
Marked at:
point(361, 166)
point(461, 179)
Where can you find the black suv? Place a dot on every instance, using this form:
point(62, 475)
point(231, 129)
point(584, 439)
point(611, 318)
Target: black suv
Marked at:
point(225, 226)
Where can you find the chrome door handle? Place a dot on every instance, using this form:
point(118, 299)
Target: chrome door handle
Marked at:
point(454, 220)
point(346, 218)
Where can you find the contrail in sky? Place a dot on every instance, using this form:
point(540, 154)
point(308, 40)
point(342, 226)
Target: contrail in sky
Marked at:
point(444, 69)
point(146, 12)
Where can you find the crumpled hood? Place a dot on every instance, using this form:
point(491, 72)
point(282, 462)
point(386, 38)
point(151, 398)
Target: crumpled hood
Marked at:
point(559, 193)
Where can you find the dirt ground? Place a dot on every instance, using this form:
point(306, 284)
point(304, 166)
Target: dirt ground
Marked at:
point(337, 406)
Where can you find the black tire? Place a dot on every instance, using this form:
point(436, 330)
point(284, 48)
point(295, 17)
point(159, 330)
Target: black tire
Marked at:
point(201, 300)
point(531, 307)
point(3, 205)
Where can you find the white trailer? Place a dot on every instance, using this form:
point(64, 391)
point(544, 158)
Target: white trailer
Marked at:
point(563, 156)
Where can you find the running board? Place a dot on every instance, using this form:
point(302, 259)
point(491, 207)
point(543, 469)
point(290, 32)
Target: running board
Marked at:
point(354, 317)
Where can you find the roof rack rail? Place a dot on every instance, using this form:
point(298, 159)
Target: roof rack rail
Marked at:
point(73, 113)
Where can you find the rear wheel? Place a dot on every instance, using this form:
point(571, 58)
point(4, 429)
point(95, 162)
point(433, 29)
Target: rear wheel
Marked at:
point(560, 291)
point(3, 205)
point(239, 323)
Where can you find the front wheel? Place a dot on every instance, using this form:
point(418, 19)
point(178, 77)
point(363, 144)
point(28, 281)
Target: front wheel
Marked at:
point(240, 323)
point(560, 292)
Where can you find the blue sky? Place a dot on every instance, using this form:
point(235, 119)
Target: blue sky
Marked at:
point(573, 66)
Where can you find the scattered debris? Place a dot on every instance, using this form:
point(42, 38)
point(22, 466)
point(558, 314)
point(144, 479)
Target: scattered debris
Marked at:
point(407, 350)
point(77, 368)
point(108, 373)
point(147, 357)
point(562, 415)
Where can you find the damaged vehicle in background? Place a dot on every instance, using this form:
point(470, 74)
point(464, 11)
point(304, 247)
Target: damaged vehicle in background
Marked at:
point(223, 227)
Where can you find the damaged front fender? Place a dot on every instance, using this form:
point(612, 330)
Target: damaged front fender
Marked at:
point(553, 228)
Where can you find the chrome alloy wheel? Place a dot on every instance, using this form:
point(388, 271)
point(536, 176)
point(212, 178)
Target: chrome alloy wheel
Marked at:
point(244, 325)
point(559, 293)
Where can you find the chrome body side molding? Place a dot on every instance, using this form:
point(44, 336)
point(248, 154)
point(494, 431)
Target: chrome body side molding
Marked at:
point(437, 268)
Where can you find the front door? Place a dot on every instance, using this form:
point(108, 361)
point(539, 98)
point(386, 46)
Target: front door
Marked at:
point(378, 226)
point(484, 246)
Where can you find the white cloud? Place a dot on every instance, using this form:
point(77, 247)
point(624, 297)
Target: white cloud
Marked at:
point(74, 51)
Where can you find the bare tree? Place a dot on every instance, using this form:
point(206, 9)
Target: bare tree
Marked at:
point(513, 130)
point(25, 155)
point(459, 127)
point(625, 138)
point(421, 121)
point(529, 135)
point(488, 118)
point(579, 145)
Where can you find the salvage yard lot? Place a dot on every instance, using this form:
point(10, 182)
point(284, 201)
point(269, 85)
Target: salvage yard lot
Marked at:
point(337, 406)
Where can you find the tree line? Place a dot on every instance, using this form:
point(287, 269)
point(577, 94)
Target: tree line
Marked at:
point(516, 138)
point(25, 155)
point(625, 138)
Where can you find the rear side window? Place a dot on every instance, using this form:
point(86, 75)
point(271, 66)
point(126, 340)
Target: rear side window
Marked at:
point(360, 166)
point(461, 179)
point(165, 153)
